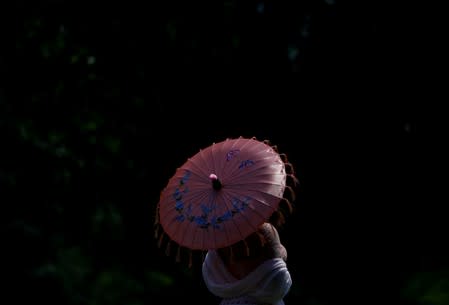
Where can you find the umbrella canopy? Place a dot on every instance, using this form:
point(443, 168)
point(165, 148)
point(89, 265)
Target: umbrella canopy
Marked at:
point(223, 193)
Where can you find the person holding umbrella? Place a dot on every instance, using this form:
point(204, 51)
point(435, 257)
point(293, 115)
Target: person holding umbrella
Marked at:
point(227, 200)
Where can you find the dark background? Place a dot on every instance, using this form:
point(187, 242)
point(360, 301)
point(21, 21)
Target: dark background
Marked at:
point(99, 104)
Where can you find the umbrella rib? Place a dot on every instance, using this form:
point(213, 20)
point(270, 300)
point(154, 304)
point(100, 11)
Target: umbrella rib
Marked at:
point(212, 156)
point(254, 171)
point(274, 182)
point(254, 186)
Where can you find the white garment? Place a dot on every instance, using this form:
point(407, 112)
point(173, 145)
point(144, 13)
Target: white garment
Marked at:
point(267, 284)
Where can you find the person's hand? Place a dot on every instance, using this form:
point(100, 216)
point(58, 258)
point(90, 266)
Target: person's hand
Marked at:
point(272, 241)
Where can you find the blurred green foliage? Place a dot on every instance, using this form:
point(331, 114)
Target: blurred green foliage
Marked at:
point(430, 287)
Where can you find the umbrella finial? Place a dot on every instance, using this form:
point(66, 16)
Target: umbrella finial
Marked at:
point(216, 184)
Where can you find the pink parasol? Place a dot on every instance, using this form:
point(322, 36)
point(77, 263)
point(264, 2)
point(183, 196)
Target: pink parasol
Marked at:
point(223, 194)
